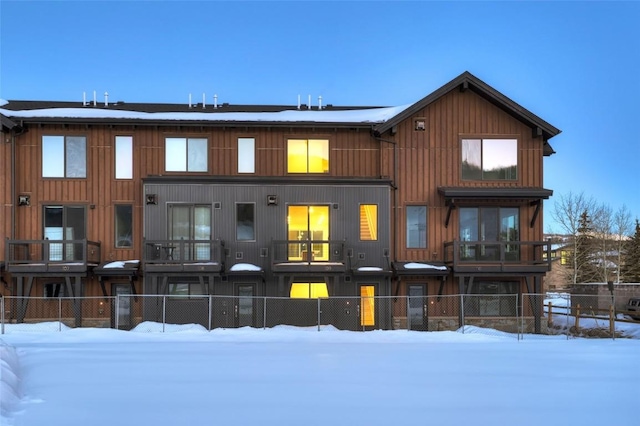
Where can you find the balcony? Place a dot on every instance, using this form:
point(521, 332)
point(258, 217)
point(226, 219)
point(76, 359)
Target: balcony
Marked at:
point(51, 256)
point(199, 256)
point(498, 256)
point(313, 256)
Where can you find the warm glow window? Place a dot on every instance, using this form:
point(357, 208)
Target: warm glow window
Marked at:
point(368, 222)
point(308, 156)
point(307, 230)
point(308, 290)
point(489, 159)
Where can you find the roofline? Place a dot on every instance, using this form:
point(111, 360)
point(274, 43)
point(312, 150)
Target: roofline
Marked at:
point(466, 81)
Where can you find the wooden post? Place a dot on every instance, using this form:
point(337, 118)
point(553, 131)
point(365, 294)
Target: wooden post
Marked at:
point(612, 321)
point(549, 319)
point(578, 317)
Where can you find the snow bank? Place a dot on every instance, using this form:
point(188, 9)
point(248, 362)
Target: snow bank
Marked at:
point(9, 382)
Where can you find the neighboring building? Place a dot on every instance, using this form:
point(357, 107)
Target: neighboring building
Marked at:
point(440, 197)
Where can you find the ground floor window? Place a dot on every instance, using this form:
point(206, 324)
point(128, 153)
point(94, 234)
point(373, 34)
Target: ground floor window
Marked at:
point(308, 290)
point(189, 290)
point(491, 298)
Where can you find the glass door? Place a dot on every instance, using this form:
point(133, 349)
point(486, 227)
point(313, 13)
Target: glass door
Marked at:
point(190, 222)
point(64, 223)
point(367, 306)
point(417, 315)
point(309, 225)
point(244, 309)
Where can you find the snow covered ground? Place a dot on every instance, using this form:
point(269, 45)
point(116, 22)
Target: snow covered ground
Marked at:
point(299, 376)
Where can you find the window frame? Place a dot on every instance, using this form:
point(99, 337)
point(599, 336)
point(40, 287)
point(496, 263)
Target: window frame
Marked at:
point(62, 158)
point(248, 166)
point(467, 173)
point(238, 239)
point(426, 227)
point(184, 156)
point(116, 227)
point(307, 171)
point(376, 224)
point(123, 155)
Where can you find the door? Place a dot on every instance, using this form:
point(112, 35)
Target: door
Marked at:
point(309, 225)
point(190, 222)
point(64, 223)
point(123, 311)
point(244, 308)
point(367, 306)
point(418, 313)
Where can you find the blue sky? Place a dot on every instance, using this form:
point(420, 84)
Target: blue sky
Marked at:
point(574, 64)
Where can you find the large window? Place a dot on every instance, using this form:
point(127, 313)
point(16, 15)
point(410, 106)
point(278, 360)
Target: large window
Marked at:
point(416, 226)
point(64, 157)
point(124, 225)
point(489, 159)
point(186, 290)
point(491, 298)
point(124, 157)
point(368, 222)
point(245, 222)
point(246, 155)
point(186, 155)
point(65, 223)
point(308, 156)
point(309, 225)
point(190, 222)
point(308, 290)
point(485, 225)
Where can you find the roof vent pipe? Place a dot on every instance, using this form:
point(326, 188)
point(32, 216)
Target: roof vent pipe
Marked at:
point(95, 99)
point(204, 100)
point(320, 102)
point(298, 101)
point(215, 101)
point(84, 99)
point(309, 104)
point(106, 99)
point(189, 100)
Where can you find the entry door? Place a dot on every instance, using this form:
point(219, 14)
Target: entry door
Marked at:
point(367, 306)
point(123, 312)
point(244, 309)
point(306, 224)
point(418, 317)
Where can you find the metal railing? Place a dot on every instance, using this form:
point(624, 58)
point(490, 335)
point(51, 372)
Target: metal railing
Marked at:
point(587, 316)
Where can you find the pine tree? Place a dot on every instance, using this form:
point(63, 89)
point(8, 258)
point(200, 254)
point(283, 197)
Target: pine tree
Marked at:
point(584, 261)
point(631, 269)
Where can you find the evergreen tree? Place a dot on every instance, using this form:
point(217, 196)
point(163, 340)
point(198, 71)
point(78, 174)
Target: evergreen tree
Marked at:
point(631, 268)
point(584, 262)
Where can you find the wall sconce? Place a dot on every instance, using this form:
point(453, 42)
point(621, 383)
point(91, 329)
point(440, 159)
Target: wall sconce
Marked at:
point(272, 200)
point(24, 200)
point(152, 199)
point(420, 124)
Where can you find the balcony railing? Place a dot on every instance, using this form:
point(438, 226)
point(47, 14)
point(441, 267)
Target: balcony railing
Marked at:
point(494, 256)
point(308, 255)
point(183, 255)
point(51, 255)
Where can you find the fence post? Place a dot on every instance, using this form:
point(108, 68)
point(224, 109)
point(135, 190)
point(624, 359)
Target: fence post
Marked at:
point(462, 312)
point(164, 313)
point(550, 315)
point(117, 312)
point(408, 312)
point(1, 314)
point(318, 314)
point(210, 312)
point(59, 313)
point(578, 318)
point(612, 323)
point(264, 313)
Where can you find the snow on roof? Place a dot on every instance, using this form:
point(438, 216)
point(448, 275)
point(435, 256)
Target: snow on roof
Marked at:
point(369, 268)
point(371, 115)
point(3, 102)
point(414, 265)
point(245, 267)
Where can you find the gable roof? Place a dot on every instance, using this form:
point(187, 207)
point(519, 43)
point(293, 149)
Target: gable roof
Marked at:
point(467, 81)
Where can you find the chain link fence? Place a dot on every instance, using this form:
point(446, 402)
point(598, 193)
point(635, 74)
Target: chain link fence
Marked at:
point(561, 313)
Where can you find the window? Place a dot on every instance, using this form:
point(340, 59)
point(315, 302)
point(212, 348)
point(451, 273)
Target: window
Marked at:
point(309, 225)
point(489, 159)
point(123, 225)
point(64, 223)
point(416, 226)
point(489, 224)
point(185, 155)
point(186, 290)
point(308, 290)
point(64, 156)
point(124, 157)
point(245, 222)
point(368, 222)
point(246, 155)
point(491, 298)
point(308, 156)
point(52, 290)
point(191, 223)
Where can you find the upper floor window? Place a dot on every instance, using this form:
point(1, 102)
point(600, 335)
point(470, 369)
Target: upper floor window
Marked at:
point(186, 155)
point(416, 226)
point(245, 222)
point(246, 155)
point(124, 157)
point(64, 156)
point(489, 159)
point(308, 156)
point(124, 225)
point(368, 222)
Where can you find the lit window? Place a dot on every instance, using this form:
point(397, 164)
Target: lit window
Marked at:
point(416, 226)
point(308, 156)
point(368, 222)
point(64, 156)
point(185, 155)
point(245, 222)
point(246, 155)
point(124, 219)
point(309, 290)
point(489, 159)
point(124, 157)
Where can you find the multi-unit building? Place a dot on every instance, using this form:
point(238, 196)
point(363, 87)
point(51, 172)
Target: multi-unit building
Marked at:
point(440, 197)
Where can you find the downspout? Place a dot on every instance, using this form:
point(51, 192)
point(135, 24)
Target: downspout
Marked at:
point(16, 131)
point(394, 185)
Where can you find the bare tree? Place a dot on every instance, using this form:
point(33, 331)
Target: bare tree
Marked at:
point(602, 223)
point(569, 212)
point(622, 227)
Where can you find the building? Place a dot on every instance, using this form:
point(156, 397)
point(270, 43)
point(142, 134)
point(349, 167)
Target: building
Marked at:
point(440, 197)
